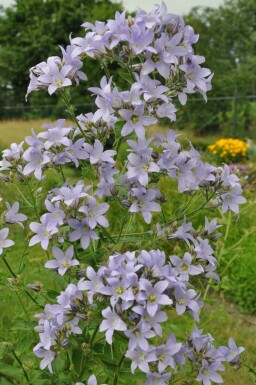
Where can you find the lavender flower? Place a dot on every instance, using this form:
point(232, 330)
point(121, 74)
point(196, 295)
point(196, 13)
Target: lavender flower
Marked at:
point(4, 243)
point(136, 121)
point(208, 373)
point(154, 295)
point(63, 261)
point(44, 232)
point(232, 353)
point(12, 215)
point(96, 153)
point(146, 203)
point(111, 323)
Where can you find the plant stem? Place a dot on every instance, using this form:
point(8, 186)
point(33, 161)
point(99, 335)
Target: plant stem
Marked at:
point(20, 363)
point(108, 235)
point(62, 174)
point(118, 369)
point(71, 113)
point(23, 197)
point(122, 227)
point(94, 335)
point(22, 305)
point(33, 200)
point(15, 276)
point(9, 267)
point(191, 213)
point(181, 378)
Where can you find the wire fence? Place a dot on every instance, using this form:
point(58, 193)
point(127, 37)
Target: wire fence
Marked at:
point(231, 113)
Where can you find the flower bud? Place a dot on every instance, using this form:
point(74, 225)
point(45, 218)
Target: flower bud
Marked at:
point(37, 287)
point(126, 203)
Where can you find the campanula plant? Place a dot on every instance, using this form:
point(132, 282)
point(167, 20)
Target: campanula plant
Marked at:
point(106, 323)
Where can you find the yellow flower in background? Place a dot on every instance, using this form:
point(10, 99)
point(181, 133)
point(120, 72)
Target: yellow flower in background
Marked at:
point(229, 149)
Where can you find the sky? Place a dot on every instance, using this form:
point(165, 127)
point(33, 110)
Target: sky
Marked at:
point(179, 7)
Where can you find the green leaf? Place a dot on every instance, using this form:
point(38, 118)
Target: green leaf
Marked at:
point(24, 325)
point(78, 360)
point(11, 371)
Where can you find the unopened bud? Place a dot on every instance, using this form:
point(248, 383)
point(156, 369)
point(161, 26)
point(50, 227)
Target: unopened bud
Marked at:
point(155, 155)
point(126, 203)
point(5, 178)
point(64, 343)
point(20, 178)
point(81, 273)
point(74, 307)
point(130, 21)
point(114, 191)
point(14, 281)
point(35, 287)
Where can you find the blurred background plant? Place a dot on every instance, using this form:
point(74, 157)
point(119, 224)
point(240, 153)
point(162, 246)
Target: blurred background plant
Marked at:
point(229, 150)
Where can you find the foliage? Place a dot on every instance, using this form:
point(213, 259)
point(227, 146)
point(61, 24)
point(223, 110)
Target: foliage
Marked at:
point(227, 38)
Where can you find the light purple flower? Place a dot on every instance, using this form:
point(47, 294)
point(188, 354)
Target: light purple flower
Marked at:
point(140, 359)
point(111, 323)
point(138, 338)
point(136, 121)
point(232, 353)
point(12, 215)
point(63, 261)
point(96, 153)
point(184, 268)
point(56, 136)
point(55, 78)
point(208, 373)
point(82, 232)
point(44, 232)
point(94, 212)
point(94, 284)
point(145, 203)
point(139, 167)
point(153, 295)
point(4, 243)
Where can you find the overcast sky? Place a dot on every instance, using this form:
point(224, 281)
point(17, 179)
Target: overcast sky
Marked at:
point(174, 6)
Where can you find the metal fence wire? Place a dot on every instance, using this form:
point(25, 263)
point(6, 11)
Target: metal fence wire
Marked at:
point(234, 115)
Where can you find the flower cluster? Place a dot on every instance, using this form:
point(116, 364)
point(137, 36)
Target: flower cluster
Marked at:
point(139, 290)
point(229, 149)
point(123, 171)
point(10, 216)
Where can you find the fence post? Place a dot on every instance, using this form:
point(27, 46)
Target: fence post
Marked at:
point(235, 126)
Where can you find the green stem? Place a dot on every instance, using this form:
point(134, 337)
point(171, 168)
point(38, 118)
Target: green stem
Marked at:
point(62, 174)
point(71, 113)
point(15, 276)
point(118, 369)
point(122, 227)
point(22, 258)
point(20, 363)
point(94, 335)
point(192, 212)
point(33, 200)
point(105, 69)
point(9, 267)
point(33, 299)
point(23, 197)
point(108, 235)
point(22, 305)
point(181, 378)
